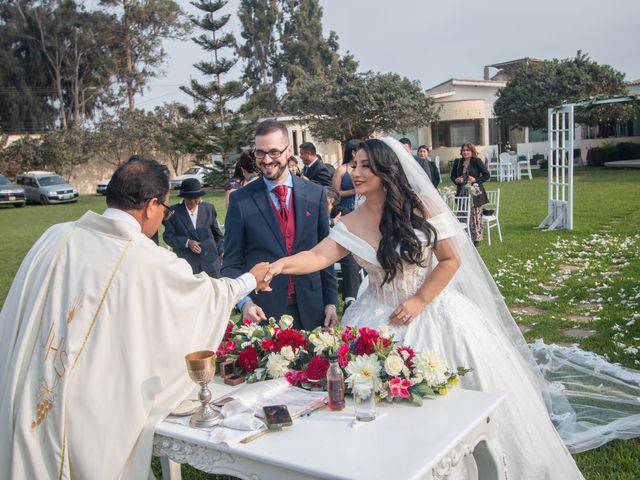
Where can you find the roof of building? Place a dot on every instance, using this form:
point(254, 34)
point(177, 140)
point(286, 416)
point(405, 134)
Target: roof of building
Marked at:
point(470, 83)
point(634, 82)
point(515, 62)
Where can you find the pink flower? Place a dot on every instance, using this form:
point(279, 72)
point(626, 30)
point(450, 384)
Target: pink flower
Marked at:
point(230, 346)
point(349, 335)
point(247, 321)
point(399, 387)
point(307, 213)
point(343, 351)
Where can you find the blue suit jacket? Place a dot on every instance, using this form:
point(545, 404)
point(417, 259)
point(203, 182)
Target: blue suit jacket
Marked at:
point(252, 235)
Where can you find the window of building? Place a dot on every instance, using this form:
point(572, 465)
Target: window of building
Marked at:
point(453, 133)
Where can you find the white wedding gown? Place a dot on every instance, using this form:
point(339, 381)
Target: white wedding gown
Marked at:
point(451, 325)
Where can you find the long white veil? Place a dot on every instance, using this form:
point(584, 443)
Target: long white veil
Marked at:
point(590, 400)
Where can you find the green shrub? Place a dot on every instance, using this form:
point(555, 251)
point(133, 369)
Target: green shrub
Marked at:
point(609, 152)
point(594, 157)
point(628, 151)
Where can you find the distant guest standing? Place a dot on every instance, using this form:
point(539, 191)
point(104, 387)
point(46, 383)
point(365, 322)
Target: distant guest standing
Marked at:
point(466, 172)
point(245, 172)
point(314, 169)
point(193, 232)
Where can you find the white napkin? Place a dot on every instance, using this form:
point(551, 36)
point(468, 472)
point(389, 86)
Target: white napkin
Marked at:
point(238, 422)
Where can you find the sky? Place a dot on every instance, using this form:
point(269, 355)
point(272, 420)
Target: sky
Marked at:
point(432, 41)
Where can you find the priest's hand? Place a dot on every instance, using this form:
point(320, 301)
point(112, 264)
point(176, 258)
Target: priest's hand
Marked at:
point(194, 246)
point(260, 271)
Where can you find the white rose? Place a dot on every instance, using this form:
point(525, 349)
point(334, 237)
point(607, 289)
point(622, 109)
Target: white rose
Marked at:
point(385, 331)
point(286, 321)
point(288, 353)
point(394, 364)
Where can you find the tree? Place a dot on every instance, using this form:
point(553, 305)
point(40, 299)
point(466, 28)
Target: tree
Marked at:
point(305, 51)
point(223, 133)
point(261, 21)
point(356, 105)
point(56, 52)
point(536, 87)
point(118, 136)
point(177, 136)
point(142, 26)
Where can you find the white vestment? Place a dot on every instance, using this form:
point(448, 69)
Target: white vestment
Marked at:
point(93, 335)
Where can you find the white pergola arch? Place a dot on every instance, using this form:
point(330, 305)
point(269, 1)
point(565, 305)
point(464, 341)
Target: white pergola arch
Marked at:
point(560, 167)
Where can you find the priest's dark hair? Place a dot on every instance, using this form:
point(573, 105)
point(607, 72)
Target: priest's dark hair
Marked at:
point(137, 181)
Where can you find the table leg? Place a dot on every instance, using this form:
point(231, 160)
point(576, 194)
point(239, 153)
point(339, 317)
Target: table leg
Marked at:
point(170, 469)
point(488, 461)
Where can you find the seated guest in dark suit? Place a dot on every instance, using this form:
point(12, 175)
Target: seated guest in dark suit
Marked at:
point(314, 169)
point(193, 232)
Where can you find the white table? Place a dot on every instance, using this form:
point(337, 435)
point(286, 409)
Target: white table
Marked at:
point(404, 442)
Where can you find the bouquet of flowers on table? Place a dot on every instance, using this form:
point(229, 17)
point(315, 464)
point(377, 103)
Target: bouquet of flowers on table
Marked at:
point(366, 355)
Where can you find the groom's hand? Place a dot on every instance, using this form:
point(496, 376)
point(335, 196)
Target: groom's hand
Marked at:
point(253, 312)
point(330, 316)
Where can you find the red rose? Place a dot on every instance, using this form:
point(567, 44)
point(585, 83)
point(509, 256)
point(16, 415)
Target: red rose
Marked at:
point(247, 321)
point(267, 345)
point(349, 335)
point(343, 353)
point(289, 337)
point(292, 377)
point(385, 342)
point(365, 344)
point(227, 332)
point(221, 352)
point(410, 354)
point(248, 359)
point(317, 368)
point(230, 346)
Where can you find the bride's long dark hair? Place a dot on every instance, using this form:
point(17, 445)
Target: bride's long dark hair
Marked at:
point(402, 213)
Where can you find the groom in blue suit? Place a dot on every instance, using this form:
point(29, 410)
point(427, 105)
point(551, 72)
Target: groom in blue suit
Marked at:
point(272, 217)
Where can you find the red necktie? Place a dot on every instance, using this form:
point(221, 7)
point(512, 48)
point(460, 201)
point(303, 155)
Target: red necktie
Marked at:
point(281, 192)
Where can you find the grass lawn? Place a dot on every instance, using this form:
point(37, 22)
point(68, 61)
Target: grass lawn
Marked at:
point(554, 282)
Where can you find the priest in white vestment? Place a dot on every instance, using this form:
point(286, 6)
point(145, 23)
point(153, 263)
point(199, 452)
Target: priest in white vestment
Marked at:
point(93, 335)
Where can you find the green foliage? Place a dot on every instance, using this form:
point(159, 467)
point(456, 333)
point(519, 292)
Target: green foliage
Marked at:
point(139, 27)
point(356, 105)
point(122, 134)
point(222, 131)
point(611, 152)
point(536, 87)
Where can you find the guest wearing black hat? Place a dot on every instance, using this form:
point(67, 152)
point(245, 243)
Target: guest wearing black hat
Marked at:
point(193, 232)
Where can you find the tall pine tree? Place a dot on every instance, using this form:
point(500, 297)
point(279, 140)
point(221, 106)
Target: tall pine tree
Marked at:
point(261, 21)
point(305, 51)
point(223, 132)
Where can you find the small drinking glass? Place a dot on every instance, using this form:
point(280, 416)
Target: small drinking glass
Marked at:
point(364, 399)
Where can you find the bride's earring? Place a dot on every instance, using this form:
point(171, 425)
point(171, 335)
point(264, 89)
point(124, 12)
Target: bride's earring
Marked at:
point(384, 189)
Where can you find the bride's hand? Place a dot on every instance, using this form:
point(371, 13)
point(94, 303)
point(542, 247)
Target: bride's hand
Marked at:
point(275, 269)
point(407, 311)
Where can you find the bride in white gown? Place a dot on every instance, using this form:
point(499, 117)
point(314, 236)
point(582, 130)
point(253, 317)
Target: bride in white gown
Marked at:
point(427, 281)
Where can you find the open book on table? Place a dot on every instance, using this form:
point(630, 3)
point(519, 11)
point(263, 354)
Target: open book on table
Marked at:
point(275, 392)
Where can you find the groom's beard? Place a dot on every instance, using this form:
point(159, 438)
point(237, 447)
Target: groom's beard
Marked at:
point(275, 174)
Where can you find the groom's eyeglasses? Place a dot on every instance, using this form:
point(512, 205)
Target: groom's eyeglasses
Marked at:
point(274, 153)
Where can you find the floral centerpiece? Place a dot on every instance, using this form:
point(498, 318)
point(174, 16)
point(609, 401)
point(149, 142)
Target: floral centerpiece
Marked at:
point(366, 355)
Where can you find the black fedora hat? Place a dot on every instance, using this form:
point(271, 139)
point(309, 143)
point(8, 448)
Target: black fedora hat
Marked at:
point(191, 188)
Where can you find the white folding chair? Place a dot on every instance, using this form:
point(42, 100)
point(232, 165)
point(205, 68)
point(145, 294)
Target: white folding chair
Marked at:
point(523, 167)
point(493, 220)
point(461, 208)
point(505, 173)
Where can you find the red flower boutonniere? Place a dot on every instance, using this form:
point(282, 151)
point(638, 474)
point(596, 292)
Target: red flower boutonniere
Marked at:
point(307, 213)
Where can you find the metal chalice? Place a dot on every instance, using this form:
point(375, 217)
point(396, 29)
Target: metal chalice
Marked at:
point(201, 367)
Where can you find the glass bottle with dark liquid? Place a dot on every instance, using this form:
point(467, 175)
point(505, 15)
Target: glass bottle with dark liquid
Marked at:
point(335, 384)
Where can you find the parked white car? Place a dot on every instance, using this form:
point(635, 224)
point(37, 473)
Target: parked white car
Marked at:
point(193, 172)
point(101, 187)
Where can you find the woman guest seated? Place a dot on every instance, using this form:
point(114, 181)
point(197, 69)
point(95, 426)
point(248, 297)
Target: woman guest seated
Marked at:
point(292, 163)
